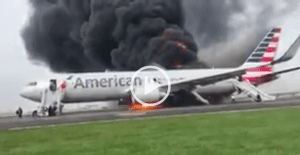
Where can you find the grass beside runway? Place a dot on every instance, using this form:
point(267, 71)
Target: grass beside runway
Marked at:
point(260, 132)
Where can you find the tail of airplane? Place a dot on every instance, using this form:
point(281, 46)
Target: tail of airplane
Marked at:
point(264, 53)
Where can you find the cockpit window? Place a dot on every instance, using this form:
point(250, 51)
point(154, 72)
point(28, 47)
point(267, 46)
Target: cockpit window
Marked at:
point(70, 77)
point(32, 84)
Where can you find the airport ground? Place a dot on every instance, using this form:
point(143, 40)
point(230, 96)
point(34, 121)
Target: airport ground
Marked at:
point(244, 128)
point(14, 123)
point(274, 131)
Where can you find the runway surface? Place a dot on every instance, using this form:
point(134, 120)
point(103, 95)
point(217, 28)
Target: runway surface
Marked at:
point(7, 123)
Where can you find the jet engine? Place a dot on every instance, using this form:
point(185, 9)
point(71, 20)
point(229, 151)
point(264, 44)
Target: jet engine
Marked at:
point(224, 88)
point(151, 97)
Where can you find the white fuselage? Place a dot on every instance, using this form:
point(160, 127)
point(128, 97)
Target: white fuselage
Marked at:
point(115, 85)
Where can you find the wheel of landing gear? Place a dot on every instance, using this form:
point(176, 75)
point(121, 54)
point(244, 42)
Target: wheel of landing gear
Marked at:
point(215, 99)
point(258, 98)
point(60, 110)
point(183, 98)
point(34, 114)
point(51, 111)
point(233, 101)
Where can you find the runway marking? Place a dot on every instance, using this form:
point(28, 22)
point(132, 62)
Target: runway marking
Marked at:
point(151, 117)
point(132, 114)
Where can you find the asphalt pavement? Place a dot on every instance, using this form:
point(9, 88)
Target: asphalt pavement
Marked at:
point(28, 121)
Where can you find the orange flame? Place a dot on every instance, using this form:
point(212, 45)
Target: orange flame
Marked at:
point(140, 107)
point(143, 108)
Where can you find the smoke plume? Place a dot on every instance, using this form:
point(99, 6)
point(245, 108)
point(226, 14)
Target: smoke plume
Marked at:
point(228, 31)
point(94, 35)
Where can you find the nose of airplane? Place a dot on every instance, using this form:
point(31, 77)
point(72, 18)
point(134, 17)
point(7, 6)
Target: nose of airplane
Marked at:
point(26, 93)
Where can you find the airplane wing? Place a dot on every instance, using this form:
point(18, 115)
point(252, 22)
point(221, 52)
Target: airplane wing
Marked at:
point(190, 83)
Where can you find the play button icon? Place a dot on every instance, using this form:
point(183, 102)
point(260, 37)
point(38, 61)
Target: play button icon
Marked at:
point(150, 85)
point(152, 82)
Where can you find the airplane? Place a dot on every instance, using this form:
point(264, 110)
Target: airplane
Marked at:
point(105, 86)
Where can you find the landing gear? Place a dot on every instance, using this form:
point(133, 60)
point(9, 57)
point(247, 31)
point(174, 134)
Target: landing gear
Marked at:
point(182, 98)
point(51, 111)
point(233, 99)
point(258, 98)
point(34, 113)
point(60, 109)
point(215, 99)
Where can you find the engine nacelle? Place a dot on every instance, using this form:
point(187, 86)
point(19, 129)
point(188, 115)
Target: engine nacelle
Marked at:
point(153, 96)
point(220, 88)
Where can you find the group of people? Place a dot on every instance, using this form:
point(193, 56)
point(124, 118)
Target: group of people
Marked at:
point(49, 97)
point(19, 112)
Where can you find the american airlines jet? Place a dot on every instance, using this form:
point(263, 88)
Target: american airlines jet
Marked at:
point(200, 82)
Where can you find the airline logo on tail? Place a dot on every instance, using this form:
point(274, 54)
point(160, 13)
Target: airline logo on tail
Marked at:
point(264, 53)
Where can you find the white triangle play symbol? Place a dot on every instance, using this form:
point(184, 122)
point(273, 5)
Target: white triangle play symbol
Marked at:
point(150, 85)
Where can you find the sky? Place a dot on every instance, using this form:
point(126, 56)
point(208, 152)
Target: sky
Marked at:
point(17, 70)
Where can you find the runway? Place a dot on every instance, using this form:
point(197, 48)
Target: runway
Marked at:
point(8, 123)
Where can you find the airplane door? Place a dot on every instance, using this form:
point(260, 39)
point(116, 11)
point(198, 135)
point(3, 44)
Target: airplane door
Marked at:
point(53, 85)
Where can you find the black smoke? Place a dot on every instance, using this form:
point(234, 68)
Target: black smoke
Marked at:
point(93, 35)
point(51, 37)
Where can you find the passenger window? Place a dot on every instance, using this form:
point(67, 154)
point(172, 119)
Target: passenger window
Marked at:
point(32, 84)
point(70, 77)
